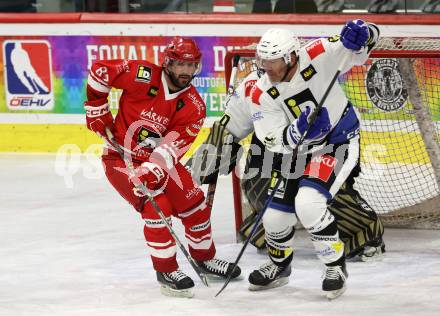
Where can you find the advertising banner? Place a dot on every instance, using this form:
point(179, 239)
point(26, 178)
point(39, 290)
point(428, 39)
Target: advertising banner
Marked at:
point(48, 74)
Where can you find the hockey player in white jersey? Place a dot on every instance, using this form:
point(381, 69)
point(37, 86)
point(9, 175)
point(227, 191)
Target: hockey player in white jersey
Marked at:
point(359, 225)
point(294, 83)
point(238, 120)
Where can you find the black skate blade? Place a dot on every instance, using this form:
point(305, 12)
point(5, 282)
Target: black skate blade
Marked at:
point(167, 291)
point(277, 283)
point(214, 278)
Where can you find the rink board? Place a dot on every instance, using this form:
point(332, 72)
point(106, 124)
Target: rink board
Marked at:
point(390, 147)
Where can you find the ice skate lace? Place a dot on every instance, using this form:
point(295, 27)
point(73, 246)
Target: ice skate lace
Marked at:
point(217, 265)
point(176, 275)
point(269, 270)
point(333, 273)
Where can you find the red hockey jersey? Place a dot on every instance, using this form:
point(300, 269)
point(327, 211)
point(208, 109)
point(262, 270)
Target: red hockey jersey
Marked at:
point(149, 117)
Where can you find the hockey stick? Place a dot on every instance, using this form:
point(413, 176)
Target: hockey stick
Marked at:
point(142, 188)
point(311, 120)
point(212, 186)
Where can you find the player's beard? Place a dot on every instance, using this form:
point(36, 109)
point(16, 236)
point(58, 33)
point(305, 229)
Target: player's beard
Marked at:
point(180, 81)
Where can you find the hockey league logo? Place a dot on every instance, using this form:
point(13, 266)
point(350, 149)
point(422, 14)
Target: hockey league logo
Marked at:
point(28, 71)
point(385, 85)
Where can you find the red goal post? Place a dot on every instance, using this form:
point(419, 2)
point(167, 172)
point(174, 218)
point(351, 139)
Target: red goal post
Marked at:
point(401, 177)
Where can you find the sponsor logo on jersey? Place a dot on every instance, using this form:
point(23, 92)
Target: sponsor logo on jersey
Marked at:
point(321, 167)
point(308, 72)
point(385, 85)
point(154, 118)
point(124, 67)
point(193, 192)
point(273, 92)
point(180, 104)
point(152, 92)
point(293, 106)
point(199, 104)
point(257, 116)
point(334, 38)
point(143, 74)
point(28, 72)
point(147, 138)
point(248, 87)
point(302, 99)
point(255, 95)
point(315, 49)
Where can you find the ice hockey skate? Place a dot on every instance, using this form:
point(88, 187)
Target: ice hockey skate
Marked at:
point(269, 276)
point(175, 284)
point(334, 281)
point(218, 268)
point(373, 252)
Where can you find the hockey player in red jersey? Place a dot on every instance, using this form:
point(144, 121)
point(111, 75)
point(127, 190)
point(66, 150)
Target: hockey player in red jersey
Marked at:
point(160, 114)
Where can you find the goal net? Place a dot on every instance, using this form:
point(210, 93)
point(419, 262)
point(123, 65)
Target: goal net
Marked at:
point(397, 93)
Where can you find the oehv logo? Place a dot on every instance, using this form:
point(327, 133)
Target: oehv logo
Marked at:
point(28, 71)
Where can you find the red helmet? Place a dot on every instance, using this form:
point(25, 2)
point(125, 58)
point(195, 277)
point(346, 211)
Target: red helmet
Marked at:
point(184, 49)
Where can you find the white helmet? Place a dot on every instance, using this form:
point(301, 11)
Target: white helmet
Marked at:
point(276, 43)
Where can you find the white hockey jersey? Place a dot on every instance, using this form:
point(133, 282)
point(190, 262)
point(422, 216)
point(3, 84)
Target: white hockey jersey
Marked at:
point(276, 106)
point(238, 108)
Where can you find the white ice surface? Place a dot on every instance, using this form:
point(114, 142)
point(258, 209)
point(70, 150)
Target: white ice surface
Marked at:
point(80, 251)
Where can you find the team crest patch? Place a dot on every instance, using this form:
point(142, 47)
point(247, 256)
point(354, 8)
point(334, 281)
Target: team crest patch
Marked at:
point(385, 85)
point(334, 38)
point(143, 74)
point(152, 92)
point(315, 49)
point(180, 104)
point(308, 73)
point(273, 92)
